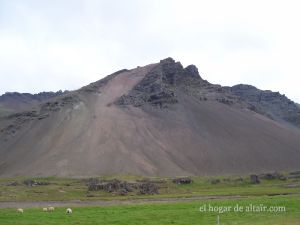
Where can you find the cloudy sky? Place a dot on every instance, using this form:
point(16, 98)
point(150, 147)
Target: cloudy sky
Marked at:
point(48, 45)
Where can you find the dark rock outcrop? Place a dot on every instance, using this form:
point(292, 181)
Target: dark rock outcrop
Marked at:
point(182, 180)
point(148, 188)
point(20, 119)
point(122, 187)
point(272, 176)
point(110, 186)
point(192, 71)
point(32, 183)
point(268, 103)
point(168, 80)
point(58, 103)
point(254, 179)
point(160, 86)
point(215, 181)
point(294, 174)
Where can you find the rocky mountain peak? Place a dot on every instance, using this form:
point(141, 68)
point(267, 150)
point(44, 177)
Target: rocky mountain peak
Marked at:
point(192, 70)
point(170, 67)
point(168, 60)
point(244, 87)
point(160, 86)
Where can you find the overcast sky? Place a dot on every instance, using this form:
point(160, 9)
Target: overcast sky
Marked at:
point(48, 45)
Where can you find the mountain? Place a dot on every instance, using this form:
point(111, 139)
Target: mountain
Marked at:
point(160, 119)
point(14, 102)
point(271, 104)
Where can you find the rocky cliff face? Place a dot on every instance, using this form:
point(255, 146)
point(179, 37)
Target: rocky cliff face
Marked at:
point(167, 81)
point(158, 88)
point(271, 104)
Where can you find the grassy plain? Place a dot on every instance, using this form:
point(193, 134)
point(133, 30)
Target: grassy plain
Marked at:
point(281, 199)
point(181, 213)
point(61, 189)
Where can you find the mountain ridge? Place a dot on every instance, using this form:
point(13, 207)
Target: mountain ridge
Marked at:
point(160, 119)
point(11, 102)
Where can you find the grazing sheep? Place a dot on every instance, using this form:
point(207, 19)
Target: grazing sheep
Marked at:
point(45, 210)
point(51, 209)
point(20, 210)
point(69, 211)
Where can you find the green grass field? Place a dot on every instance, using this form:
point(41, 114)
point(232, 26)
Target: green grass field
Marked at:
point(161, 214)
point(76, 189)
point(282, 195)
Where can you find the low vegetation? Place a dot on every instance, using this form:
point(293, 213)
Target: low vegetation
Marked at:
point(219, 196)
point(134, 187)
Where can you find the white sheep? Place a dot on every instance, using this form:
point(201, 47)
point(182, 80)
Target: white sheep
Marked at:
point(69, 211)
point(45, 210)
point(50, 209)
point(20, 210)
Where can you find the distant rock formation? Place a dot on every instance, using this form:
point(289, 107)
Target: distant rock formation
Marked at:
point(271, 104)
point(15, 102)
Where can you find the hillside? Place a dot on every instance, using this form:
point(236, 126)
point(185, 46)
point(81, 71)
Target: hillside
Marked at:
point(15, 102)
point(160, 119)
point(271, 104)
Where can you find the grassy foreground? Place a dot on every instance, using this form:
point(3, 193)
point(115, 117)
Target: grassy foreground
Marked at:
point(163, 214)
point(276, 202)
point(60, 189)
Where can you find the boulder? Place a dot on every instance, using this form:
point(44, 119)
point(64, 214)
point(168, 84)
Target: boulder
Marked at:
point(182, 180)
point(254, 179)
